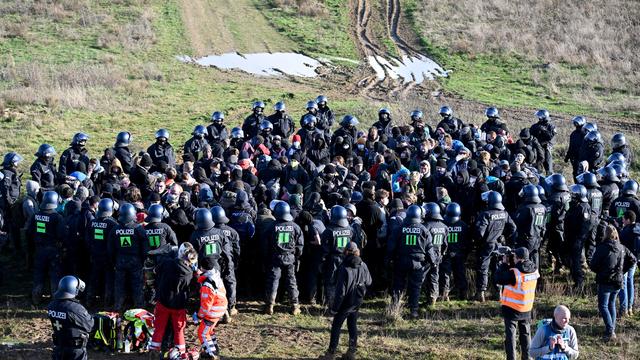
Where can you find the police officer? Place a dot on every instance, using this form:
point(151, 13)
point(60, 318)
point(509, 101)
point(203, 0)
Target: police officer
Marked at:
point(439, 233)
point(128, 246)
point(70, 321)
point(492, 226)
point(619, 145)
point(282, 122)
point(609, 187)
point(577, 230)
point(628, 200)
point(530, 220)
point(216, 131)
point(325, 115)
point(232, 238)
point(162, 151)
point(46, 231)
point(334, 240)
point(75, 154)
point(309, 131)
point(195, 146)
point(493, 122)
point(557, 205)
point(213, 251)
point(284, 247)
point(412, 252)
point(252, 122)
point(458, 246)
point(30, 206)
point(592, 150)
point(96, 238)
point(122, 152)
point(450, 123)
point(43, 170)
point(575, 143)
point(384, 123)
point(158, 232)
point(544, 131)
point(347, 130)
point(10, 185)
point(594, 195)
point(266, 131)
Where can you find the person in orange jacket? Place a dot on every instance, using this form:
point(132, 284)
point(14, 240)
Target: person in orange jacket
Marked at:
point(213, 304)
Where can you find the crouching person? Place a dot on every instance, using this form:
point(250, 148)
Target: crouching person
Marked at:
point(213, 304)
point(353, 279)
point(173, 278)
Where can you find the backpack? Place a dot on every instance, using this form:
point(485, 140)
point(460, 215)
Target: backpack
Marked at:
point(139, 329)
point(106, 334)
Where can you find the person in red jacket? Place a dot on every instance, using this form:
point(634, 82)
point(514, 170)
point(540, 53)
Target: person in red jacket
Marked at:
point(213, 304)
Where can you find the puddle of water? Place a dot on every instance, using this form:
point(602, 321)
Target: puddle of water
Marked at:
point(262, 64)
point(415, 68)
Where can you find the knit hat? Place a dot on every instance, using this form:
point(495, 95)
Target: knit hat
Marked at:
point(522, 253)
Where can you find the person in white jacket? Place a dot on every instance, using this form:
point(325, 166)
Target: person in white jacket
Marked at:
point(555, 339)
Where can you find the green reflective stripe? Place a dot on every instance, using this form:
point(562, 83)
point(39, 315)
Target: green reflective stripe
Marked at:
point(539, 219)
point(437, 239)
point(154, 241)
point(125, 241)
point(621, 211)
point(283, 238)
point(342, 241)
point(452, 238)
point(210, 249)
point(41, 227)
point(411, 240)
point(98, 234)
point(597, 204)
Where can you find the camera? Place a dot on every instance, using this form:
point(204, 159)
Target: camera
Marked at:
point(501, 251)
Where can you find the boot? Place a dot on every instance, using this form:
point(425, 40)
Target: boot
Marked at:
point(445, 296)
point(432, 301)
point(480, 296)
point(226, 318)
point(233, 311)
point(268, 309)
point(329, 355)
point(414, 315)
point(296, 309)
point(350, 354)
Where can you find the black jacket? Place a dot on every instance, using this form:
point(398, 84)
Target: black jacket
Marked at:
point(575, 143)
point(126, 159)
point(173, 279)
point(352, 280)
point(71, 157)
point(630, 237)
point(162, 152)
point(608, 263)
point(70, 321)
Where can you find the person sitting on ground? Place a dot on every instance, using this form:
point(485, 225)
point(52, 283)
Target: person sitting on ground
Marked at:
point(555, 339)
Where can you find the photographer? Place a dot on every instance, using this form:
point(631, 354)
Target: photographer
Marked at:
point(518, 276)
point(555, 339)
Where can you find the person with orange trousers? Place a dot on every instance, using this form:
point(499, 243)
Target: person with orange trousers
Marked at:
point(213, 305)
point(518, 277)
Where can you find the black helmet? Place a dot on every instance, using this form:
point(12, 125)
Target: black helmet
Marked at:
point(384, 110)
point(630, 188)
point(199, 131)
point(609, 173)
point(237, 133)
point(127, 213)
point(312, 105)
point(557, 182)
point(593, 136)
point(266, 125)
point(493, 200)
point(414, 214)
point(219, 216)
point(349, 120)
point(79, 139)
point(579, 121)
point(530, 193)
point(492, 113)
point(616, 157)
point(621, 172)
point(519, 175)
point(589, 127)
point(257, 105)
point(123, 139)
point(579, 192)
point(105, 208)
point(432, 211)
point(45, 150)
point(50, 201)
point(309, 120)
point(162, 133)
point(416, 115)
point(155, 213)
point(12, 158)
point(453, 212)
point(541, 191)
point(446, 112)
point(217, 117)
point(618, 140)
point(69, 287)
point(588, 179)
point(280, 106)
point(204, 219)
point(322, 99)
point(339, 216)
point(542, 114)
point(282, 211)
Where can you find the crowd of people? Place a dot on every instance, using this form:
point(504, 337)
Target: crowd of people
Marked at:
point(333, 209)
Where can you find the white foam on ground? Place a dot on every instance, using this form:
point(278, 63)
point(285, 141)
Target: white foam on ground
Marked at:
point(261, 64)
